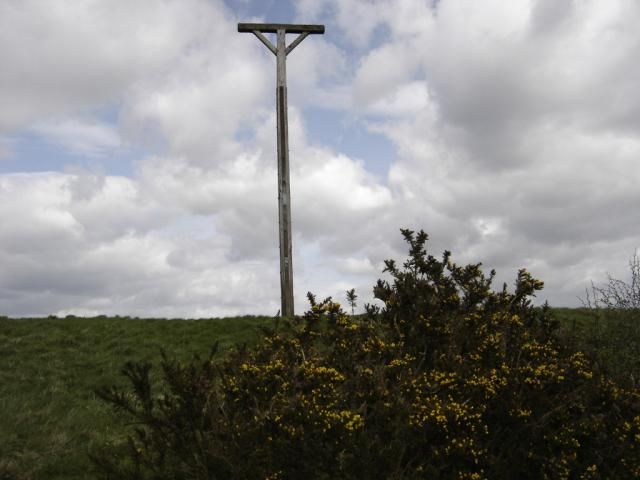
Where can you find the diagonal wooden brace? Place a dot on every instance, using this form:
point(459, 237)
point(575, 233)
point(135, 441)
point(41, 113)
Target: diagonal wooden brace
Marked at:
point(296, 42)
point(266, 41)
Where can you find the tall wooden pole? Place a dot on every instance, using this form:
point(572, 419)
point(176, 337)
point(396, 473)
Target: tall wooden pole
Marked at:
point(282, 131)
point(284, 194)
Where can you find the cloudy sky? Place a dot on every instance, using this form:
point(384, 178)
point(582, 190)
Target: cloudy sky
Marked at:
point(138, 166)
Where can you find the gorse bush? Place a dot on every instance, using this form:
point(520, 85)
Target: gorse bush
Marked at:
point(448, 380)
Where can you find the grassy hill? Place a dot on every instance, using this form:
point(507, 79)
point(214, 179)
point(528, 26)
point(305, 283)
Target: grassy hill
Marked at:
point(49, 368)
point(49, 416)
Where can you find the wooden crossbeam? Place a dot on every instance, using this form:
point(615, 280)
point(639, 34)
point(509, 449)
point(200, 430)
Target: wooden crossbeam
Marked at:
point(274, 27)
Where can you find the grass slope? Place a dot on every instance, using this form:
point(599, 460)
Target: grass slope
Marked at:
point(49, 416)
point(610, 336)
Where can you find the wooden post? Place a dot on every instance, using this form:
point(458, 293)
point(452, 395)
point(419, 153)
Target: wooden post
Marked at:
point(282, 131)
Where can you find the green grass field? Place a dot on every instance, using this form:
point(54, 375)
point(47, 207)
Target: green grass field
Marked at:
point(49, 368)
point(611, 337)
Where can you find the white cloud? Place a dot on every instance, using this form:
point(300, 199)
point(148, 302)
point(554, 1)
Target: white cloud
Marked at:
point(408, 99)
point(515, 126)
point(62, 57)
point(330, 192)
point(210, 94)
point(360, 266)
point(381, 71)
point(525, 137)
point(82, 137)
point(318, 74)
point(115, 253)
point(356, 19)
